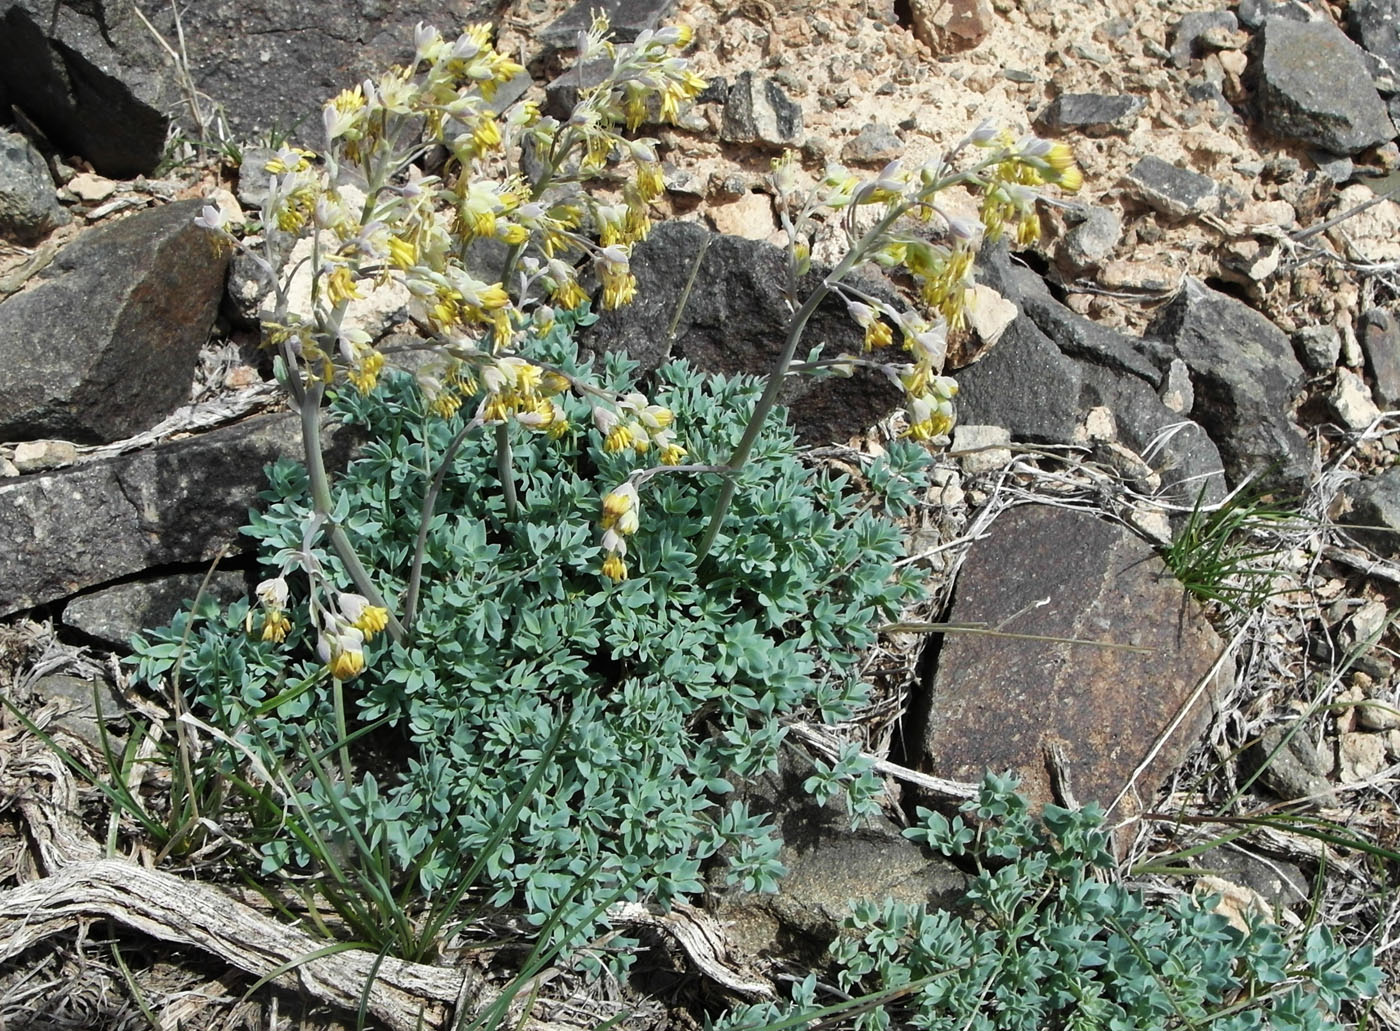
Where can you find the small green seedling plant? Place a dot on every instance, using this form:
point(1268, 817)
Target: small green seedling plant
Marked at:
point(1046, 937)
point(523, 646)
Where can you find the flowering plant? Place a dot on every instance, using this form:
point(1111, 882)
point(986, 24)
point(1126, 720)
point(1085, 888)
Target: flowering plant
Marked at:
point(518, 596)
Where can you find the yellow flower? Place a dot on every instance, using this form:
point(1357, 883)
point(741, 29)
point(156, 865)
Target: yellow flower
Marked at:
point(365, 376)
point(614, 568)
point(568, 295)
point(402, 253)
point(672, 454)
point(276, 626)
point(618, 289)
point(650, 184)
point(341, 286)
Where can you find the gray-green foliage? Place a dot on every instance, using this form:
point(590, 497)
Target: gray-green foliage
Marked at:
point(672, 683)
point(1052, 941)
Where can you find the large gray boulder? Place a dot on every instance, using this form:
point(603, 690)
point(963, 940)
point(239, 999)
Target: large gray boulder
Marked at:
point(736, 320)
point(92, 77)
point(272, 63)
point(105, 340)
point(1313, 86)
point(181, 502)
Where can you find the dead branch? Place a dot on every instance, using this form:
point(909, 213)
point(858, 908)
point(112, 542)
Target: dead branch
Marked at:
point(176, 910)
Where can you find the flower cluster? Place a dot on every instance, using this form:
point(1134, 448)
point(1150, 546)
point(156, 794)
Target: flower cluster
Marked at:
point(1009, 176)
point(620, 520)
point(640, 426)
point(344, 629)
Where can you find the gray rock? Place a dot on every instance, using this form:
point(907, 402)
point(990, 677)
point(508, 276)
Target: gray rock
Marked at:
point(1093, 114)
point(1092, 238)
point(875, 144)
point(271, 65)
point(1245, 378)
point(91, 77)
point(1379, 334)
point(829, 866)
point(1170, 190)
point(1287, 764)
point(1025, 384)
point(1052, 365)
point(104, 341)
point(114, 614)
point(81, 699)
point(758, 111)
point(181, 502)
point(29, 207)
point(1205, 91)
point(1252, 13)
point(1186, 33)
point(1001, 702)
point(1338, 169)
point(1375, 24)
point(1375, 512)
point(1318, 347)
point(1351, 402)
point(736, 321)
point(1278, 881)
point(628, 18)
point(1313, 86)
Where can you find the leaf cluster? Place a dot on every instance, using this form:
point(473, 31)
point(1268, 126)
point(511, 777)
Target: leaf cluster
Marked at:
point(1050, 939)
point(626, 710)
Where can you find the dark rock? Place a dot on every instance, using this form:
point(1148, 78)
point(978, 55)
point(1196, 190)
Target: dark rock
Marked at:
point(736, 321)
point(1375, 512)
point(272, 65)
point(1173, 191)
point(1093, 114)
point(104, 341)
point(561, 95)
point(1336, 168)
point(1185, 35)
point(628, 19)
point(29, 206)
point(114, 614)
point(1001, 702)
point(758, 111)
point(1375, 24)
point(1318, 347)
point(91, 76)
point(1025, 384)
point(1278, 881)
point(875, 144)
point(1205, 91)
point(1288, 765)
point(80, 699)
point(181, 502)
point(1092, 238)
point(829, 867)
point(1380, 342)
point(1252, 13)
point(1313, 86)
point(1244, 376)
point(1052, 365)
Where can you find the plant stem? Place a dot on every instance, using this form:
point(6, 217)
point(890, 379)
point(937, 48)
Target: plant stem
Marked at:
point(420, 546)
point(796, 328)
point(505, 471)
point(342, 749)
point(321, 501)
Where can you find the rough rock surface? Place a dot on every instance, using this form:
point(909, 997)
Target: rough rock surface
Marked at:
point(1245, 377)
point(181, 502)
point(735, 321)
point(91, 77)
point(28, 201)
point(1314, 87)
point(114, 614)
point(273, 64)
point(829, 867)
point(1000, 703)
point(104, 341)
point(759, 111)
point(1374, 519)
